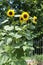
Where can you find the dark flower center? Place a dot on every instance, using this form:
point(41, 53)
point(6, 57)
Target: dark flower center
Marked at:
point(35, 19)
point(21, 18)
point(10, 13)
point(25, 16)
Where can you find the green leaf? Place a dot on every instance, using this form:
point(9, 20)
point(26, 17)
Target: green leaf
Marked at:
point(16, 35)
point(4, 59)
point(17, 28)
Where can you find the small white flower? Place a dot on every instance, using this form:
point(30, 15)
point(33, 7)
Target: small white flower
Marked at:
point(8, 28)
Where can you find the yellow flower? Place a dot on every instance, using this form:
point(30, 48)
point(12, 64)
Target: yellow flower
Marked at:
point(21, 19)
point(25, 16)
point(10, 13)
point(34, 20)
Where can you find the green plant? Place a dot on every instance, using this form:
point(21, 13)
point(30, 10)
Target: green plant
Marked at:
point(16, 39)
point(39, 58)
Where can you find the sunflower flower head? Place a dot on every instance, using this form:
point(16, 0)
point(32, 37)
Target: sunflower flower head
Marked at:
point(35, 20)
point(10, 13)
point(25, 16)
point(21, 19)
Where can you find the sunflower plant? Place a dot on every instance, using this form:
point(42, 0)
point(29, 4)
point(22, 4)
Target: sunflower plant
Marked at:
point(10, 13)
point(18, 28)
